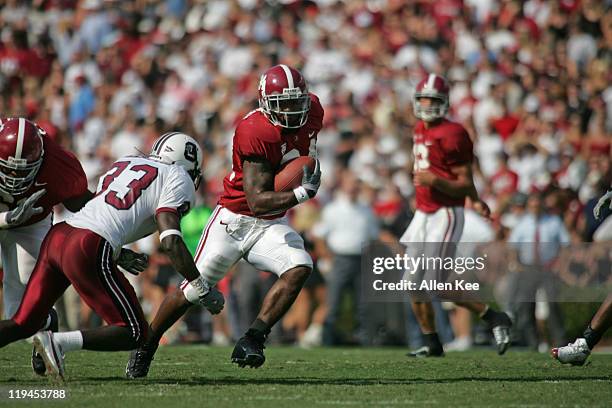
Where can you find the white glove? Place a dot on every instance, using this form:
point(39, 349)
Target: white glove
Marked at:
point(310, 183)
point(23, 212)
point(601, 203)
point(210, 298)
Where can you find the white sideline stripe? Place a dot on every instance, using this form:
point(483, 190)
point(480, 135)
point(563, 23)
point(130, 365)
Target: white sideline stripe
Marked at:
point(20, 133)
point(289, 76)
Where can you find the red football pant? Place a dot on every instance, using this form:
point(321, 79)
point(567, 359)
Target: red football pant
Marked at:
point(80, 257)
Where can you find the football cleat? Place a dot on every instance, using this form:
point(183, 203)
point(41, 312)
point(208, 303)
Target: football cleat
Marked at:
point(249, 352)
point(38, 364)
point(501, 332)
point(51, 353)
point(140, 361)
point(426, 351)
point(575, 353)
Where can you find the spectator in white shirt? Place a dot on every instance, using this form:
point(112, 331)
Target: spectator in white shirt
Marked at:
point(346, 225)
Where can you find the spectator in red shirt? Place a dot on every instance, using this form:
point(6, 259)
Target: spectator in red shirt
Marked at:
point(506, 123)
point(504, 182)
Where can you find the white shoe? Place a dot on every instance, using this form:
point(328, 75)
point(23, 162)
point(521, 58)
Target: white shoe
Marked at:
point(220, 339)
point(313, 336)
point(575, 353)
point(459, 344)
point(51, 352)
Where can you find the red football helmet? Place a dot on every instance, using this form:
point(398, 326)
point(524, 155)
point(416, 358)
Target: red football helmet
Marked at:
point(21, 154)
point(435, 87)
point(283, 97)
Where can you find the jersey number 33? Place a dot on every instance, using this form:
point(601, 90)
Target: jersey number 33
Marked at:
point(125, 182)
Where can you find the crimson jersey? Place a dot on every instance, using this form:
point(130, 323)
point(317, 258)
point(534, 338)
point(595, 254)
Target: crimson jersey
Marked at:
point(257, 137)
point(437, 150)
point(60, 174)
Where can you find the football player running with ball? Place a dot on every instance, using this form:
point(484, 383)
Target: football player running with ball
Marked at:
point(443, 180)
point(249, 221)
point(137, 196)
point(578, 352)
point(35, 175)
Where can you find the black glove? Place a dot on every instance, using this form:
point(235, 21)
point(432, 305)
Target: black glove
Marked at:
point(132, 262)
point(208, 297)
point(213, 301)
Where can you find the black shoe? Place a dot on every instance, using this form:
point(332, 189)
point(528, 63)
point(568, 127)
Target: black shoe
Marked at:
point(426, 351)
point(38, 364)
point(249, 352)
point(140, 361)
point(501, 331)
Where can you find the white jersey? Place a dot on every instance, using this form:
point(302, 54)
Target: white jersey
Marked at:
point(129, 196)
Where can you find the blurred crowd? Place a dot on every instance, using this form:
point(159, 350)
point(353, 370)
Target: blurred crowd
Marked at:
point(530, 80)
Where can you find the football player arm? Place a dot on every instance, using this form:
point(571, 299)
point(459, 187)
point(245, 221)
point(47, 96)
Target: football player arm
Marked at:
point(74, 204)
point(259, 188)
point(462, 186)
point(168, 224)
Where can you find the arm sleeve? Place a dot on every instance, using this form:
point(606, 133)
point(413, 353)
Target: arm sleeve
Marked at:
point(178, 193)
point(254, 142)
point(458, 148)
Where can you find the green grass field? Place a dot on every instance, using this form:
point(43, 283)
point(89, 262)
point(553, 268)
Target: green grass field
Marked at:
point(196, 376)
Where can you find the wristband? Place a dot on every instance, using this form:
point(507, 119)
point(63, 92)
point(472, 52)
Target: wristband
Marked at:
point(200, 285)
point(301, 194)
point(169, 232)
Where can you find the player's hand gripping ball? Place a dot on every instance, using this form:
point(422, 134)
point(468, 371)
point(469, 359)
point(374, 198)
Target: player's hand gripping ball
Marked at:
point(290, 176)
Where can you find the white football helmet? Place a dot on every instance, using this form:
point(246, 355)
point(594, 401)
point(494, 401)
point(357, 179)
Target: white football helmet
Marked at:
point(181, 149)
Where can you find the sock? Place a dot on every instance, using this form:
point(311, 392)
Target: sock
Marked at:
point(489, 315)
point(259, 330)
point(592, 337)
point(69, 341)
point(47, 324)
point(433, 341)
point(52, 321)
point(153, 340)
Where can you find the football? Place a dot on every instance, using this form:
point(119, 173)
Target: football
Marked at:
point(290, 175)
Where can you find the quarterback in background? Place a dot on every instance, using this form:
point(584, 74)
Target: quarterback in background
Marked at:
point(249, 220)
point(136, 197)
point(443, 180)
point(35, 175)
